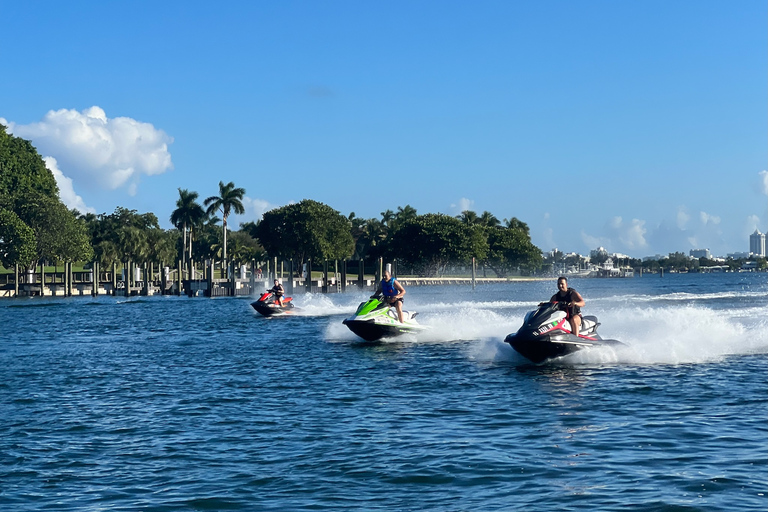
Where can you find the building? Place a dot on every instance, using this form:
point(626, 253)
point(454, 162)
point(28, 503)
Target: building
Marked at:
point(757, 243)
point(700, 253)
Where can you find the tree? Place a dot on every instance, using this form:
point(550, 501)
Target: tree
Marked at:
point(188, 213)
point(60, 234)
point(516, 223)
point(430, 242)
point(468, 217)
point(305, 230)
point(22, 169)
point(229, 199)
point(17, 241)
point(510, 249)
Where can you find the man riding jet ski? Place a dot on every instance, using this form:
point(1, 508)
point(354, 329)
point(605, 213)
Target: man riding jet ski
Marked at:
point(382, 318)
point(548, 332)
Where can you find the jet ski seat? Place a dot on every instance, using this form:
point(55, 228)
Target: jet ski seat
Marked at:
point(588, 323)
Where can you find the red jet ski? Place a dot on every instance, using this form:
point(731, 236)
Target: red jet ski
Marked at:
point(268, 306)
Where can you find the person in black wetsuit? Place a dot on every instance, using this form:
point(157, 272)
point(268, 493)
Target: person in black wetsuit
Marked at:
point(571, 302)
point(279, 291)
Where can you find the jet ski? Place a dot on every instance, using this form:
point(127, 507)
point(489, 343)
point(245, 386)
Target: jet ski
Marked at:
point(375, 319)
point(267, 306)
point(546, 334)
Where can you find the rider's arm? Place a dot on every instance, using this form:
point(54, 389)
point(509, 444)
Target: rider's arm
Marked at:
point(400, 290)
point(579, 299)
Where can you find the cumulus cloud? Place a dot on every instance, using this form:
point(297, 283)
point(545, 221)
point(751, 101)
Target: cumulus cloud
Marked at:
point(462, 205)
point(707, 219)
point(96, 151)
point(764, 178)
point(619, 236)
point(682, 218)
point(255, 208)
point(66, 189)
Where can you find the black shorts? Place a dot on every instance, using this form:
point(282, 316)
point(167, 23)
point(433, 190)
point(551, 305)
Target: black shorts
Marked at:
point(393, 301)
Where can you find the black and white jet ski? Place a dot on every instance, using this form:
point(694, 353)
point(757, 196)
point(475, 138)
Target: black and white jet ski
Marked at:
point(267, 306)
point(546, 334)
point(375, 319)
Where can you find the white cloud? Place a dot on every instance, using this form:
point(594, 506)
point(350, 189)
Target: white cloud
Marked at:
point(752, 223)
point(255, 208)
point(707, 219)
point(96, 151)
point(619, 236)
point(764, 177)
point(682, 217)
point(462, 205)
point(593, 242)
point(66, 189)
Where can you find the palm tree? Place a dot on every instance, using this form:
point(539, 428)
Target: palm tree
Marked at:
point(188, 212)
point(515, 223)
point(489, 220)
point(468, 217)
point(230, 199)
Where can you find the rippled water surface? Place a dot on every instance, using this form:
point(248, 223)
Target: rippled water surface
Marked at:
point(172, 403)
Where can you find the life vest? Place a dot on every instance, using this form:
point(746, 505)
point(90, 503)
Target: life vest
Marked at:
point(567, 297)
point(388, 287)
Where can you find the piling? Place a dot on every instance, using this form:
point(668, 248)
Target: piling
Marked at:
point(474, 272)
point(178, 277)
point(343, 276)
point(289, 288)
point(360, 273)
point(308, 278)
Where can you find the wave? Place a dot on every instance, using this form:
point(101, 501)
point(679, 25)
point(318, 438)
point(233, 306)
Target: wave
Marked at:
point(680, 335)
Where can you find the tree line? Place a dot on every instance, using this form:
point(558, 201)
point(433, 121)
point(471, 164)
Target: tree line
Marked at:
point(36, 227)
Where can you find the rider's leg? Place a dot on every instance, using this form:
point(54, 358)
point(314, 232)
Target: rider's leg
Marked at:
point(399, 308)
point(575, 321)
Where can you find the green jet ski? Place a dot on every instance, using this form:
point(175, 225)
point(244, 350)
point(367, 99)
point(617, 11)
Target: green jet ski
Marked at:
point(375, 319)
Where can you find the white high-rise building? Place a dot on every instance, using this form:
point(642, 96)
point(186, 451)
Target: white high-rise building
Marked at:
point(757, 243)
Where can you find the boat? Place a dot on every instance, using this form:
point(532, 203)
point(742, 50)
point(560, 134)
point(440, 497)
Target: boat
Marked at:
point(546, 334)
point(376, 319)
point(267, 306)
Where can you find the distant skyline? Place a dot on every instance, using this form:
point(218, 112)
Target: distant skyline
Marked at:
point(640, 127)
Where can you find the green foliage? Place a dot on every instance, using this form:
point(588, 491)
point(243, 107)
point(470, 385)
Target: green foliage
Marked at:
point(229, 199)
point(428, 243)
point(22, 170)
point(60, 234)
point(305, 230)
point(244, 248)
point(127, 235)
point(188, 214)
point(510, 248)
point(17, 241)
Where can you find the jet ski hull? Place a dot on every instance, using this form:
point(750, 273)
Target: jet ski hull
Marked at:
point(545, 347)
point(272, 309)
point(370, 330)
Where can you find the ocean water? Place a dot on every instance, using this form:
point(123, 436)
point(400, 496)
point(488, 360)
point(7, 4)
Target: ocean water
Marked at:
point(176, 404)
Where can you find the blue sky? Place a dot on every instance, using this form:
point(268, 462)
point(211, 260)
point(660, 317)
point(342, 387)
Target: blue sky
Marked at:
point(637, 126)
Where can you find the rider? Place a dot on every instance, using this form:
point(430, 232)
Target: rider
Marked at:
point(393, 293)
point(571, 302)
point(279, 291)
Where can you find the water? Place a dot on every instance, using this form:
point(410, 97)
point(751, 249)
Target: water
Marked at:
point(163, 404)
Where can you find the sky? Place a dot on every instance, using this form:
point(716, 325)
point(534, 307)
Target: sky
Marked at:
point(641, 127)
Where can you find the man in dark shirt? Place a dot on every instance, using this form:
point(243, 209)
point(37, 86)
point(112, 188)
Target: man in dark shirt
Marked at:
point(571, 302)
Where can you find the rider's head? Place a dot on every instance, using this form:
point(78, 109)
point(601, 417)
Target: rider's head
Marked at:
point(562, 283)
point(387, 275)
point(277, 281)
